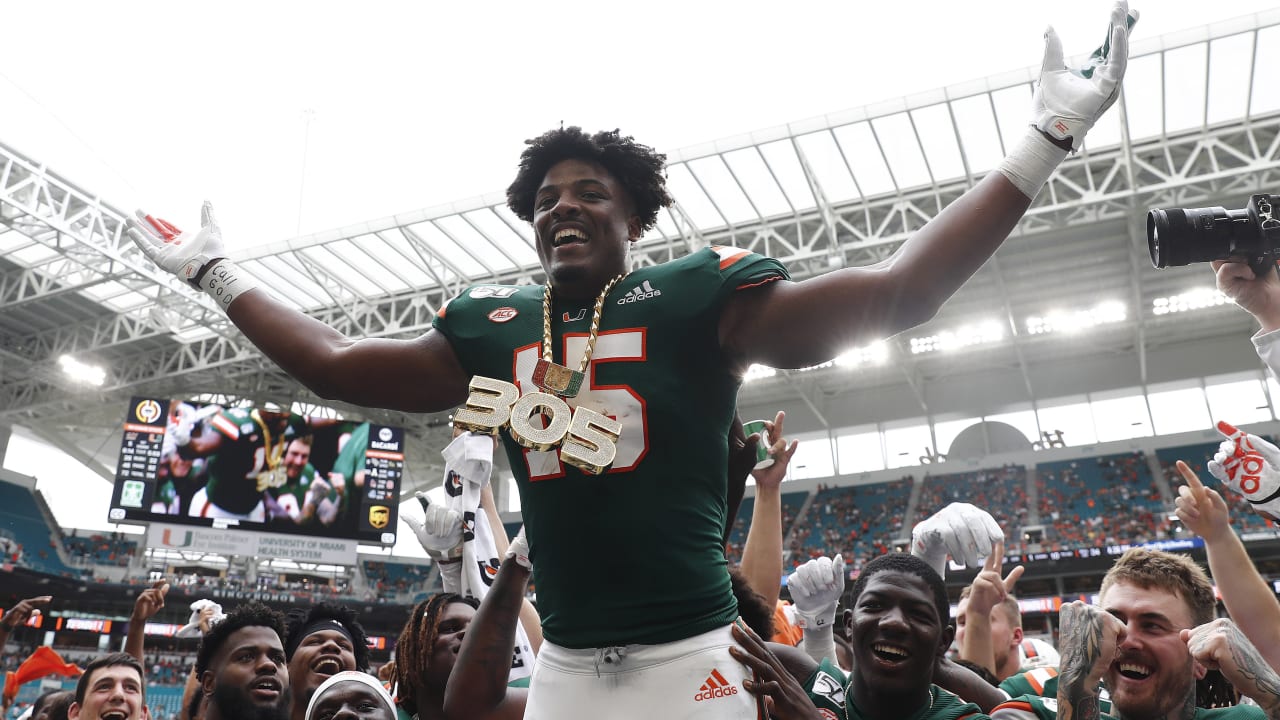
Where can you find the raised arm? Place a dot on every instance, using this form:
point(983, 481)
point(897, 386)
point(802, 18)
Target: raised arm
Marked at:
point(986, 592)
point(529, 618)
point(145, 607)
point(477, 688)
point(419, 375)
point(1088, 639)
point(762, 553)
point(17, 615)
point(1248, 598)
point(1219, 645)
point(786, 324)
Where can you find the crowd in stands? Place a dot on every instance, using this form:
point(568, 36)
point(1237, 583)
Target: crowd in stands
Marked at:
point(1243, 519)
point(859, 521)
point(110, 549)
point(1101, 501)
point(391, 580)
point(1000, 491)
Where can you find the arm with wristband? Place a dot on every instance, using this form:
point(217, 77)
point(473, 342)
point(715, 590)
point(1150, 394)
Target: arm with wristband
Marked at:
point(418, 375)
point(796, 324)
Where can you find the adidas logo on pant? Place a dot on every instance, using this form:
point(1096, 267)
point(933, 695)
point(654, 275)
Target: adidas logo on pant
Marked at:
point(715, 687)
point(643, 291)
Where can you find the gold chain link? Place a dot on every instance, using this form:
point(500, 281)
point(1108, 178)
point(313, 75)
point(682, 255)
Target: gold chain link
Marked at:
point(595, 322)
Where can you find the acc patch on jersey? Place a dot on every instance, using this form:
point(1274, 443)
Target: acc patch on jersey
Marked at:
point(503, 314)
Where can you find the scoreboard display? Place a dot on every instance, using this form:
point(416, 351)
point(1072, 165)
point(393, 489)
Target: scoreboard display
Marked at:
point(256, 468)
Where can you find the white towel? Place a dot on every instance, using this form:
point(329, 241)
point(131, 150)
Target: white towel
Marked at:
point(468, 463)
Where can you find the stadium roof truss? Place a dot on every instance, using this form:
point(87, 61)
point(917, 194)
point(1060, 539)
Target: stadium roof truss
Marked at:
point(1198, 123)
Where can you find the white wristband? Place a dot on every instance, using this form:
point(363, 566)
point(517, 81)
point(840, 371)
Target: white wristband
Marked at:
point(1030, 163)
point(225, 282)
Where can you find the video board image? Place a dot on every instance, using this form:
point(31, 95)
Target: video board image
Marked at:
point(258, 469)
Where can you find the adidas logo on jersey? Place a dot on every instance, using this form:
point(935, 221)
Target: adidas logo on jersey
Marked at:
point(643, 291)
point(715, 687)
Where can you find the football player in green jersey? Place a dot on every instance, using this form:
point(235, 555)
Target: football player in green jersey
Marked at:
point(670, 345)
point(900, 635)
point(1148, 642)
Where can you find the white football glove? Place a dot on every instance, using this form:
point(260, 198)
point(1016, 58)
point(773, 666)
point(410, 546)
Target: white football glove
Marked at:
point(963, 531)
point(440, 532)
point(519, 549)
point(1067, 102)
point(1249, 466)
point(815, 591)
point(181, 253)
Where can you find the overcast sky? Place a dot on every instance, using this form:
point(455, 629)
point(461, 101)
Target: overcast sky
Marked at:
point(295, 117)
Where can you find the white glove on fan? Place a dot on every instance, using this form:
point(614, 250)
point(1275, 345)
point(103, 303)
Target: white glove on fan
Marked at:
point(963, 531)
point(519, 549)
point(1067, 102)
point(1249, 466)
point(440, 532)
point(815, 590)
point(181, 253)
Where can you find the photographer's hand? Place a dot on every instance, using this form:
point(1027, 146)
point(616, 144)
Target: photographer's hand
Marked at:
point(1259, 295)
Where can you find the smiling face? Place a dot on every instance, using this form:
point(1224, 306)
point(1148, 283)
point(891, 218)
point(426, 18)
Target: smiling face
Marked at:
point(296, 458)
point(584, 223)
point(320, 655)
point(1153, 672)
point(897, 635)
point(114, 692)
point(248, 678)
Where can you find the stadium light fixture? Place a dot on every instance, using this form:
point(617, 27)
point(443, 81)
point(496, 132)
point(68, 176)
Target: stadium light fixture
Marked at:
point(80, 372)
point(1197, 299)
point(758, 372)
point(1074, 321)
point(978, 333)
point(877, 353)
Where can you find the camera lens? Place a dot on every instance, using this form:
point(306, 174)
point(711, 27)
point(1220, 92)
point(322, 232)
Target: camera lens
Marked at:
point(1179, 236)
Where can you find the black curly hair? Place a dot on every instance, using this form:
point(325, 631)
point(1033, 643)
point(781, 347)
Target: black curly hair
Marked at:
point(638, 168)
point(299, 619)
point(251, 614)
point(910, 565)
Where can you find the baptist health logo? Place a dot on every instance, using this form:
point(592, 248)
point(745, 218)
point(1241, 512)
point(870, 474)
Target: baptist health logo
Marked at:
point(643, 291)
point(167, 539)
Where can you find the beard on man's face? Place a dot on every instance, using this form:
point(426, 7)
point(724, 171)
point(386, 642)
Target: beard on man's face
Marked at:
point(234, 703)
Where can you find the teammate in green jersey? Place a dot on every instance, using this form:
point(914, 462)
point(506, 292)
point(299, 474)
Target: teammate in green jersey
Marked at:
point(674, 343)
point(1149, 641)
point(900, 635)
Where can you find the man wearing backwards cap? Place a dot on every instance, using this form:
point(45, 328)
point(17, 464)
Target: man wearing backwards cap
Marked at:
point(321, 643)
point(351, 693)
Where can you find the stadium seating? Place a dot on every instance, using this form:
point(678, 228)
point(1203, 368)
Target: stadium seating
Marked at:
point(1094, 502)
point(20, 515)
point(100, 549)
point(791, 504)
point(1197, 456)
point(1000, 491)
point(860, 521)
point(391, 580)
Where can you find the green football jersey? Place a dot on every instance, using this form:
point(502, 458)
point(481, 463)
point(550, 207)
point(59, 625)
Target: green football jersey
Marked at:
point(637, 553)
point(1043, 682)
point(233, 469)
point(826, 688)
point(1033, 707)
point(943, 705)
